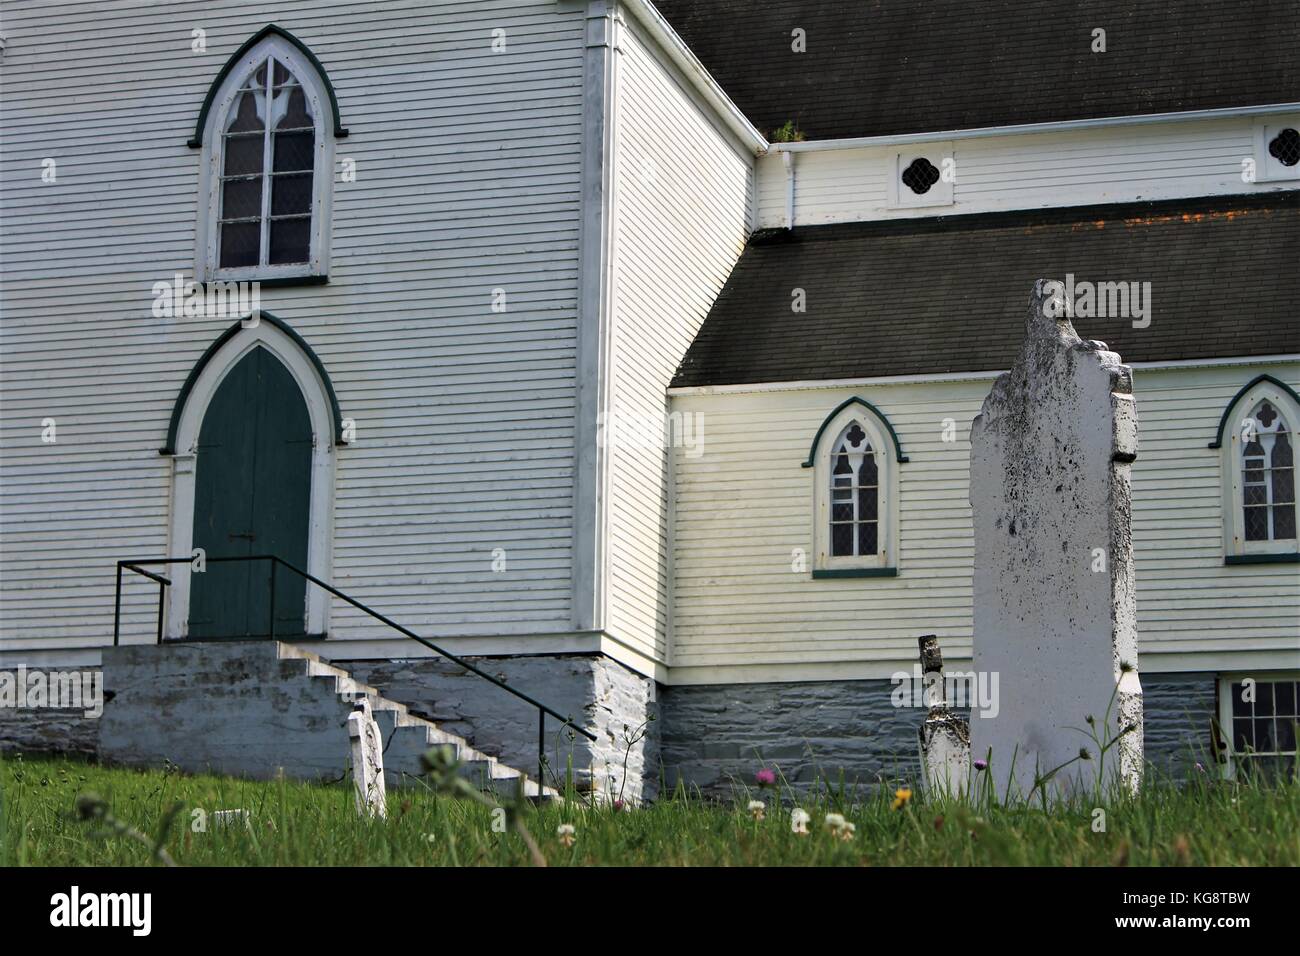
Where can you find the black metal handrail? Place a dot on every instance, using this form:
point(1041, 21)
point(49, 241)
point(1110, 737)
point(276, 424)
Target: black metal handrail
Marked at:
point(163, 583)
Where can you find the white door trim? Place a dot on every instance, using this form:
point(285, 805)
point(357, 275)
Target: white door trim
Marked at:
point(185, 465)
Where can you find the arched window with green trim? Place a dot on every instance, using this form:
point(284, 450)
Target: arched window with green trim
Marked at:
point(1256, 440)
point(855, 457)
point(266, 130)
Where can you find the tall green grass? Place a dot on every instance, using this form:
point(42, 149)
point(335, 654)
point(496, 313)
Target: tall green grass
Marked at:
point(1204, 822)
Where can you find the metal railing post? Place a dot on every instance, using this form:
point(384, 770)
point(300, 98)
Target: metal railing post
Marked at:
point(272, 630)
point(117, 605)
point(162, 600)
point(541, 749)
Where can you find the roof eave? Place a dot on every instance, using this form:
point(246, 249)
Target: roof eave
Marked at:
point(699, 77)
point(858, 142)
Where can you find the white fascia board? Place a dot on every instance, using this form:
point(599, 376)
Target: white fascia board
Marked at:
point(954, 376)
point(694, 71)
point(897, 139)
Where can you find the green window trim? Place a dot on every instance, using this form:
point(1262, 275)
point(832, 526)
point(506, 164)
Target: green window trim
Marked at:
point(281, 282)
point(831, 573)
point(340, 131)
point(880, 416)
point(1227, 410)
point(178, 409)
point(1281, 557)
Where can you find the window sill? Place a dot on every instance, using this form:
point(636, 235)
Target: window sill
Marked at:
point(830, 573)
point(273, 282)
point(1286, 557)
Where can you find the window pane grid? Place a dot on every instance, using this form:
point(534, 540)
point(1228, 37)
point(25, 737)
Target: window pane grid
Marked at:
point(1265, 726)
point(266, 189)
point(1267, 477)
point(854, 496)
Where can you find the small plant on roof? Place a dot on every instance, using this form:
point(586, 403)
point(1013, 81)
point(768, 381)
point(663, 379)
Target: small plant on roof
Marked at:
point(787, 133)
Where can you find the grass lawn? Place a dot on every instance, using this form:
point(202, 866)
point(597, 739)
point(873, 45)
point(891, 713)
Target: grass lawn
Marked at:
point(297, 824)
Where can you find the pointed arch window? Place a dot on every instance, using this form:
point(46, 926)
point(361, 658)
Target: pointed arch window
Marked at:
point(855, 495)
point(855, 455)
point(267, 131)
point(268, 146)
point(1268, 476)
point(1257, 440)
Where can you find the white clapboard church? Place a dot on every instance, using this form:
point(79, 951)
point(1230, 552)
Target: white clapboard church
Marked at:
point(626, 351)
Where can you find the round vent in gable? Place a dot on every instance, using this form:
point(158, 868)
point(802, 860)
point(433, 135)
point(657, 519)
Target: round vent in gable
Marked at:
point(1285, 147)
point(920, 175)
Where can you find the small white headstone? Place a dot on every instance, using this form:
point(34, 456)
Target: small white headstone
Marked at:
point(227, 818)
point(367, 761)
point(1054, 610)
point(944, 737)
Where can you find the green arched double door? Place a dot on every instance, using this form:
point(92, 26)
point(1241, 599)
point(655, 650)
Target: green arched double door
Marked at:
point(252, 496)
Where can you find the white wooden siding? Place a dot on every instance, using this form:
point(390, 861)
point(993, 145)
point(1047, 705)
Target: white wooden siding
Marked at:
point(741, 510)
point(1024, 171)
point(683, 192)
point(468, 179)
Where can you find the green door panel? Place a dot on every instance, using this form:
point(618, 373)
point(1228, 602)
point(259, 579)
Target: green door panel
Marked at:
point(252, 496)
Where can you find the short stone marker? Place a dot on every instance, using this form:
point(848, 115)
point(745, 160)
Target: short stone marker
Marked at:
point(367, 761)
point(944, 737)
point(1054, 609)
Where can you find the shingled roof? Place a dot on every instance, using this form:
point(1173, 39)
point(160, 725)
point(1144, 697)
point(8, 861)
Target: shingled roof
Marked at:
point(948, 294)
point(878, 67)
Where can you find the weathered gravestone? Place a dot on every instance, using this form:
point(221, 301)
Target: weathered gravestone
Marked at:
point(944, 737)
point(367, 761)
point(1054, 610)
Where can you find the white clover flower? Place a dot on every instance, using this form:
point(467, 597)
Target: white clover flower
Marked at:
point(565, 833)
point(835, 821)
point(757, 808)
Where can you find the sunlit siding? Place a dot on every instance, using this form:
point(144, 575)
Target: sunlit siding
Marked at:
point(468, 166)
point(1027, 171)
point(681, 216)
point(744, 507)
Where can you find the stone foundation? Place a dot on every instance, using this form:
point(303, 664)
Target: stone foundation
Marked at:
point(711, 737)
point(48, 730)
point(600, 695)
point(1178, 711)
point(715, 737)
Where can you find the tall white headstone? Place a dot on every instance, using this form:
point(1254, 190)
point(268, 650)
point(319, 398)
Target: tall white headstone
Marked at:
point(367, 761)
point(1054, 610)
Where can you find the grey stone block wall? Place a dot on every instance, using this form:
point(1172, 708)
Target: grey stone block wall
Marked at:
point(48, 730)
point(1177, 710)
point(598, 693)
point(716, 736)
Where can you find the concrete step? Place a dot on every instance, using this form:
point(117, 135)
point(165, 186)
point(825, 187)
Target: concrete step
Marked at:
point(407, 738)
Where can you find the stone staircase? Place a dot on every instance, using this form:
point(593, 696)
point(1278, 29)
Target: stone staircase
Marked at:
point(261, 708)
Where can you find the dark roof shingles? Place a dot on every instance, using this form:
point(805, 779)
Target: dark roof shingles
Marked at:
point(881, 67)
point(949, 294)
